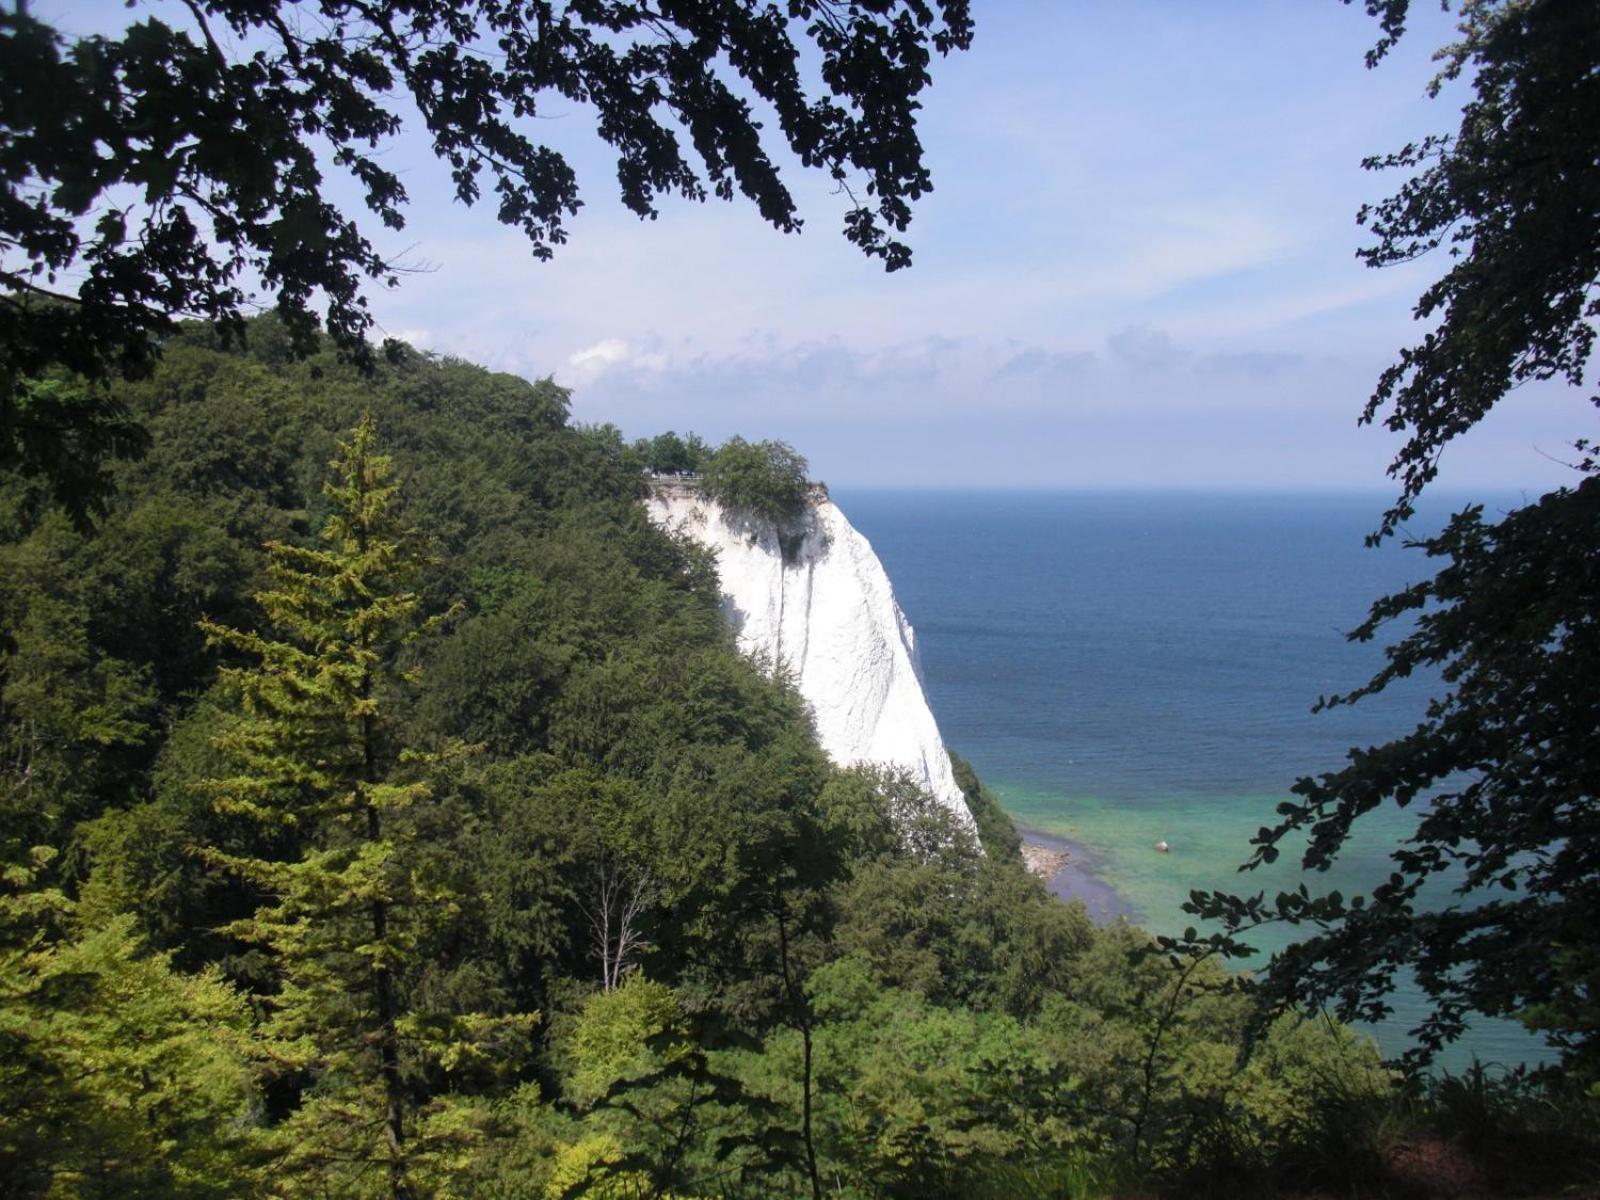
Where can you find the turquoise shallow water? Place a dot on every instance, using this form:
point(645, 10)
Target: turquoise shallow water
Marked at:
point(1127, 668)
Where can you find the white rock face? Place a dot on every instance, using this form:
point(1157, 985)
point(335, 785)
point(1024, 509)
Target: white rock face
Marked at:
point(826, 611)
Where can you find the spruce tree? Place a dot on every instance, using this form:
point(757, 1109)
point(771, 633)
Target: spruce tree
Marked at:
point(320, 767)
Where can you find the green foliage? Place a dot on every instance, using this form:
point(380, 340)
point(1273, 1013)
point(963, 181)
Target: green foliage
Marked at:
point(1490, 900)
point(937, 915)
point(669, 454)
point(316, 755)
point(1174, 1088)
point(507, 1147)
point(76, 711)
point(118, 1075)
point(63, 430)
point(763, 975)
point(1518, 301)
point(159, 164)
point(995, 829)
point(612, 1039)
point(921, 1100)
point(1529, 1130)
point(666, 1117)
point(765, 480)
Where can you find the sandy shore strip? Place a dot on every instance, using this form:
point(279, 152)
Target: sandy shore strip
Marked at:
point(1068, 871)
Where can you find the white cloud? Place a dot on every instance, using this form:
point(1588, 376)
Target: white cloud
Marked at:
point(1144, 348)
point(594, 360)
point(1316, 302)
point(1123, 238)
point(417, 339)
point(1035, 360)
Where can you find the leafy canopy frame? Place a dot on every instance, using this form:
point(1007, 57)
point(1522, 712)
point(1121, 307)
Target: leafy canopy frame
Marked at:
point(163, 172)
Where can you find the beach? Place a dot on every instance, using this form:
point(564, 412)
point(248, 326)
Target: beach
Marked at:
point(1067, 870)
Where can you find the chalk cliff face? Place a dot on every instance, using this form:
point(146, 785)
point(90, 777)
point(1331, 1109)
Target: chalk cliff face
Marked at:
point(815, 597)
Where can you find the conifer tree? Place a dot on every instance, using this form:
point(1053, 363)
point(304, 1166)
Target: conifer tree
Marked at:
point(119, 1076)
point(320, 767)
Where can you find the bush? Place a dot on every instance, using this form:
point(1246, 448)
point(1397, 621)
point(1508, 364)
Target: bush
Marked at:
point(669, 454)
point(764, 479)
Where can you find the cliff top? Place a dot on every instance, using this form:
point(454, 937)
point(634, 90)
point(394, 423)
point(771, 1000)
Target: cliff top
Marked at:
point(689, 486)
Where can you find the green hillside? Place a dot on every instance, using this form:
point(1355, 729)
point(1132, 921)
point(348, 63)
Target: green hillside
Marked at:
point(385, 811)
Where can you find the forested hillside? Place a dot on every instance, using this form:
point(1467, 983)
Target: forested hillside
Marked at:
point(384, 808)
point(385, 812)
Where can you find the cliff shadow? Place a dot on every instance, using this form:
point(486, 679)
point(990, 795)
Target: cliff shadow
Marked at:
point(800, 538)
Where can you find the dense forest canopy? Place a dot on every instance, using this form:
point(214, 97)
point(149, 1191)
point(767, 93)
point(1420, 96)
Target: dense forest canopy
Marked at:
point(409, 826)
point(385, 811)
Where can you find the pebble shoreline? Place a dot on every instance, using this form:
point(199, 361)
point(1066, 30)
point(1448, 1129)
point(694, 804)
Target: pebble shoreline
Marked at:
point(1044, 861)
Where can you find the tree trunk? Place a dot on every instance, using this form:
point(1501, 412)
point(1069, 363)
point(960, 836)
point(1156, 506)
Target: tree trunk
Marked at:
point(802, 1019)
point(394, 1130)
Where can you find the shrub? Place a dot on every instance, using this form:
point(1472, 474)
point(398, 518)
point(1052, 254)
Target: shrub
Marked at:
point(764, 479)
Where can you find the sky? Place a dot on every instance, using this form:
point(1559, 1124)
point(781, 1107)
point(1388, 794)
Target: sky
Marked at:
point(1137, 268)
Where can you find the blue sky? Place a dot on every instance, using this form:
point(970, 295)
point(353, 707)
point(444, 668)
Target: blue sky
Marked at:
point(1137, 268)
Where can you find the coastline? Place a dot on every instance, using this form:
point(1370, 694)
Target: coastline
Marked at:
point(1067, 870)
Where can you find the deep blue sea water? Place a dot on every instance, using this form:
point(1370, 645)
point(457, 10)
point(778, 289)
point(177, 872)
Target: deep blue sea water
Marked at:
point(1126, 668)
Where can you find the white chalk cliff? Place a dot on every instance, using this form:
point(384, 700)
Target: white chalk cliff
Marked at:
point(815, 598)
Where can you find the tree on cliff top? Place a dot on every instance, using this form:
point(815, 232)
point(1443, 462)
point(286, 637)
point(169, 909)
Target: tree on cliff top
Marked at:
point(765, 479)
point(1505, 767)
point(160, 172)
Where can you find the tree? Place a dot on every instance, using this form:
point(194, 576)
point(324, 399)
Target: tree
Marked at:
point(167, 175)
point(615, 909)
point(674, 455)
point(318, 760)
point(119, 1075)
point(1505, 768)
point(1515, 196)
point(766, 480)
point(664, 1117)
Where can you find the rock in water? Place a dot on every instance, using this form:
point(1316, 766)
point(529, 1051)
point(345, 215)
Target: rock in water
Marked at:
point(813, 596)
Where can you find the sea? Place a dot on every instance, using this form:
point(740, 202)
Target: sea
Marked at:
point(1131, 668)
